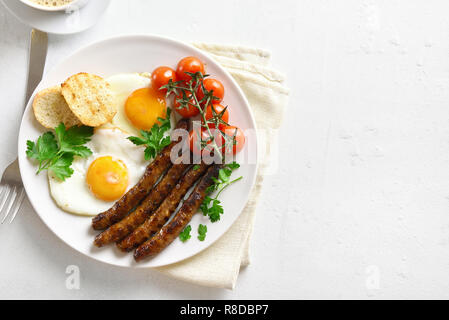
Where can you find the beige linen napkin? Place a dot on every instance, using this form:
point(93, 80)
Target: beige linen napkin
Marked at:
point(219, 265)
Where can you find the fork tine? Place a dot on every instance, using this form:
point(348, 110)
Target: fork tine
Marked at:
point(5, 194)
point(2, 192)
point(10, 203)
point(16, 207)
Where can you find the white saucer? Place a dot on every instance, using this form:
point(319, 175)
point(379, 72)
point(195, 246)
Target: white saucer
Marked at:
point(58, 22)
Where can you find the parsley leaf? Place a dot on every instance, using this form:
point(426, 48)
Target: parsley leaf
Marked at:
point(212, 207)
point(72, 140)
point(234, 165)
point(74, 136)
point(185, 234)
point(80, 151)
point(202, 230)
point(155, 139)
point(31, 150)
point(44, 149)
point(61, 167)
point(56, 151)
point(137, 140)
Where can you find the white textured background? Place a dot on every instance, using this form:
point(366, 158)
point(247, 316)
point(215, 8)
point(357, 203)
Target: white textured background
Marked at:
point(360, 205)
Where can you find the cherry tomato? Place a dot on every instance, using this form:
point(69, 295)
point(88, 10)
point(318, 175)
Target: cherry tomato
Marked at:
point(188, 112)
point(195, 143)
point(189, 64)
point(218, 109)
point(211, 85)
point(239, 137)
point(161, 76)
point(195, 140)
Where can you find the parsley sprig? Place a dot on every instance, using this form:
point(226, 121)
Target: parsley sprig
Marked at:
point(56, 151)
point(185, 234)
point(155, 139)
point(211, 206)
point(202, 230)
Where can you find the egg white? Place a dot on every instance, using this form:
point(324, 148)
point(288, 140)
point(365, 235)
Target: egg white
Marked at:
point(73, 194)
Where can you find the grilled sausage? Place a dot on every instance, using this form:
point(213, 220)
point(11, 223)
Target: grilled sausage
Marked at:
point(163, 213)
point(124, 227)
point(169, 232)
point(132, 198)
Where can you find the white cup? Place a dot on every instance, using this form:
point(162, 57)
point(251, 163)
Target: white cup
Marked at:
point(74, 5)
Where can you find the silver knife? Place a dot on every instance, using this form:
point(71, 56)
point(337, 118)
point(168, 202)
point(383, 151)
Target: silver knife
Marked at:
point(36, 61)
point(12, 192)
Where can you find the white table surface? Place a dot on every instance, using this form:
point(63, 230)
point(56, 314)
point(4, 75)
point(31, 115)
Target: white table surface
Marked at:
point(359, 207)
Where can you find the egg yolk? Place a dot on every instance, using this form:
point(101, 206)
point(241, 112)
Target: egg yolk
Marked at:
point(107, 178)
point(144, 106)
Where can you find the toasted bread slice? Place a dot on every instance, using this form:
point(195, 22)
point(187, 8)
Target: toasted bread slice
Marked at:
point(90, 99)
point(50, 109)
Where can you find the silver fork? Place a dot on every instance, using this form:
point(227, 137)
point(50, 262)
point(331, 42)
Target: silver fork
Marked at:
point(12, 192)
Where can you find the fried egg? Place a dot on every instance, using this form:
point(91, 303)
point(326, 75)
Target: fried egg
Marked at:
point(116, 164)
point(97, 182)
point(139, 105)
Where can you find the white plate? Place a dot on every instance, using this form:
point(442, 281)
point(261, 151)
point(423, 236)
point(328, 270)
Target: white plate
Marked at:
point(138, 54)
point(58, 22)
